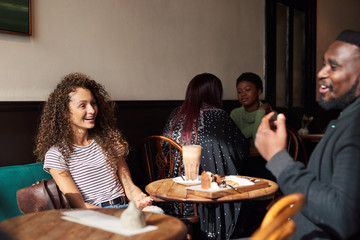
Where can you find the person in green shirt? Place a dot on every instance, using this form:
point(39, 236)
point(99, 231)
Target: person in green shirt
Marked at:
point(248, 117)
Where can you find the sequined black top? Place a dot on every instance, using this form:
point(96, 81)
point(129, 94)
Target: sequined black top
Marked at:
point(224, 150)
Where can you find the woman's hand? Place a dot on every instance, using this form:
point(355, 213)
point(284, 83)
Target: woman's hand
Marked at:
point(132, 192)
point(142, 200)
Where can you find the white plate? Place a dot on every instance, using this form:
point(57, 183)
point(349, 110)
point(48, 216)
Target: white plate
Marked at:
point(187, 183)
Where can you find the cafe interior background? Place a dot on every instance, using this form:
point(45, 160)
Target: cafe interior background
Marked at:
point(146, 51)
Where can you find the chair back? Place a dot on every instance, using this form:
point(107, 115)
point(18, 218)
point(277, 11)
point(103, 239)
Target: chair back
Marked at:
point(44, 195)
point(292, 144)
point(277, 223)
point(296, 146)
point(157, 164)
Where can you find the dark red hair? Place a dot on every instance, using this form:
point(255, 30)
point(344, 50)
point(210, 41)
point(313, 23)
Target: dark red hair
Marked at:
point(203, 90)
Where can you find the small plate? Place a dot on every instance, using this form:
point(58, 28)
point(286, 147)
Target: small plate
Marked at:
point(187, 183)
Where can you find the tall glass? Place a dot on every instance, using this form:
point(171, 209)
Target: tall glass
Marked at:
point(191, 160)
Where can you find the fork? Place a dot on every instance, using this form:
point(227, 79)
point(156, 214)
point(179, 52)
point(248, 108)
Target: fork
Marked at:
point(228, 185)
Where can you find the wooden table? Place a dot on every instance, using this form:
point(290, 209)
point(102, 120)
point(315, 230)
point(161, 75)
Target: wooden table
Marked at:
point(48, 225)
point(168, 190)
point(313, 137)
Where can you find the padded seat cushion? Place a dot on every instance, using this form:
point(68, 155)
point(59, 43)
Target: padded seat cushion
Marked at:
point(13, 178)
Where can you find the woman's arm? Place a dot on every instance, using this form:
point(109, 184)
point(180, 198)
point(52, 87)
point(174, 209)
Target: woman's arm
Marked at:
point(67, 186)
point(132, 192)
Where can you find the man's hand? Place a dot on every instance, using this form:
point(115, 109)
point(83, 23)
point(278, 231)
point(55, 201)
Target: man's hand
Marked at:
point(271, 136)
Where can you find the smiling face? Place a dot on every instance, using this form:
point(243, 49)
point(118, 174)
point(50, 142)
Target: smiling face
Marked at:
point(248, 95)
point(339, 76)
point(83, 110)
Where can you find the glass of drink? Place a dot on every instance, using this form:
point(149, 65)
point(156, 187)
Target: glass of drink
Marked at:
point(191, 161)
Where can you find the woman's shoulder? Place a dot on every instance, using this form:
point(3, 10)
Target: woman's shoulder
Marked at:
point(53, 158)
point(216, 114)
point(53, 150)
point(214, 111)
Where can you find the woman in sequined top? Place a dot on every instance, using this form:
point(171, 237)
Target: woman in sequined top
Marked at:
point(200, 120)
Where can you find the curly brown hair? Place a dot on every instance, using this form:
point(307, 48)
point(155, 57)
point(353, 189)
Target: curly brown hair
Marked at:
point(55, 129)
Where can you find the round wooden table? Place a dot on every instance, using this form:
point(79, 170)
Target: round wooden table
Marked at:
point(49, 225)
point(168, 190)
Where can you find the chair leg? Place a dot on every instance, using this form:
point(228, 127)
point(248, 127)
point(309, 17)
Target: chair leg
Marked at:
point(189, 231)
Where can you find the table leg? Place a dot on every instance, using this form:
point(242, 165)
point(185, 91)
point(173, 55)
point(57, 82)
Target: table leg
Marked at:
point(211, 234)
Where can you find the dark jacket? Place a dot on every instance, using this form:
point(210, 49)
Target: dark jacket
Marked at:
point(331, 181)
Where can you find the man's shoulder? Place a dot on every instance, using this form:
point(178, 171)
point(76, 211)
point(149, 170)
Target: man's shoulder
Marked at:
point(351, 114)
point(352, 108)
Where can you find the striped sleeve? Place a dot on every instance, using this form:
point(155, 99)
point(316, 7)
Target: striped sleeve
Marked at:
point(54, 159)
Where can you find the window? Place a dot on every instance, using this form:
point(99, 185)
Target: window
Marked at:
point(290, 53)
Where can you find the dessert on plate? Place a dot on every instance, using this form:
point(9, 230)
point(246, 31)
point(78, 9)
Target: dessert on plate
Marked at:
point(210, 181)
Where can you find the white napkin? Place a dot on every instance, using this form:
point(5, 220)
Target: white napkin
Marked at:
point(103, 221)
point(240, 181)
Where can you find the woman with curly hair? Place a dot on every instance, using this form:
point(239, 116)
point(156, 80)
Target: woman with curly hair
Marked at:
point(82, 149)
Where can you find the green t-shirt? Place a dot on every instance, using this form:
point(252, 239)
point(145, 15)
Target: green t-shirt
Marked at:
point(248, 122)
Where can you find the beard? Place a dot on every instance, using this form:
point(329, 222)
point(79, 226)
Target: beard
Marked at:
point(341, 102)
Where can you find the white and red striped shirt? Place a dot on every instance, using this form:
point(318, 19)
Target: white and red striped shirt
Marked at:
point(89, 171)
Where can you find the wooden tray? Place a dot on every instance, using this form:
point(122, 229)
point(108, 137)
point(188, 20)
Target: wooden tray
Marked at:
point(196, 190)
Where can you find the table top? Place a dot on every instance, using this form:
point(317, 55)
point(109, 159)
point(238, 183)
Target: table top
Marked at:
point(168, 190)
point(313, 137)
point(49, 225)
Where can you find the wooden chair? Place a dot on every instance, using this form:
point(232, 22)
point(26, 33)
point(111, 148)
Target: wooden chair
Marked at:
point(277, 223)
point(296, 146)
point(158, 166)
point(292, 143)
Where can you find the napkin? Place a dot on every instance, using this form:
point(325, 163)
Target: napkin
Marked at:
point(241, 181)
point(103, 221)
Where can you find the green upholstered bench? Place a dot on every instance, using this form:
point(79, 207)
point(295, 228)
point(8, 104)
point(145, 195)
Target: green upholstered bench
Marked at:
point(13, 178)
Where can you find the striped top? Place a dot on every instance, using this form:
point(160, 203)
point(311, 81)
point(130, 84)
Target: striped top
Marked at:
point(88, 169)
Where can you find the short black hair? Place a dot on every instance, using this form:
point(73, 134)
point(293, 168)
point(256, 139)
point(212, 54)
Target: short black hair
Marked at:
point(349, 36)
point(250, 77)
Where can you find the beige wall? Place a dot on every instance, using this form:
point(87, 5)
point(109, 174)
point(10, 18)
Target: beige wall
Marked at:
point(139, 49)
point(333, 16)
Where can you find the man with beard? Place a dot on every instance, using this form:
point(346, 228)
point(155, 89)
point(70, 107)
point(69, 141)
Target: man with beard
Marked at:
point(331, 181)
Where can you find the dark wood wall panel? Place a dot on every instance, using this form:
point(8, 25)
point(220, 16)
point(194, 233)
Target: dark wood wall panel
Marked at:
point(136, 120)
point(18, 123)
